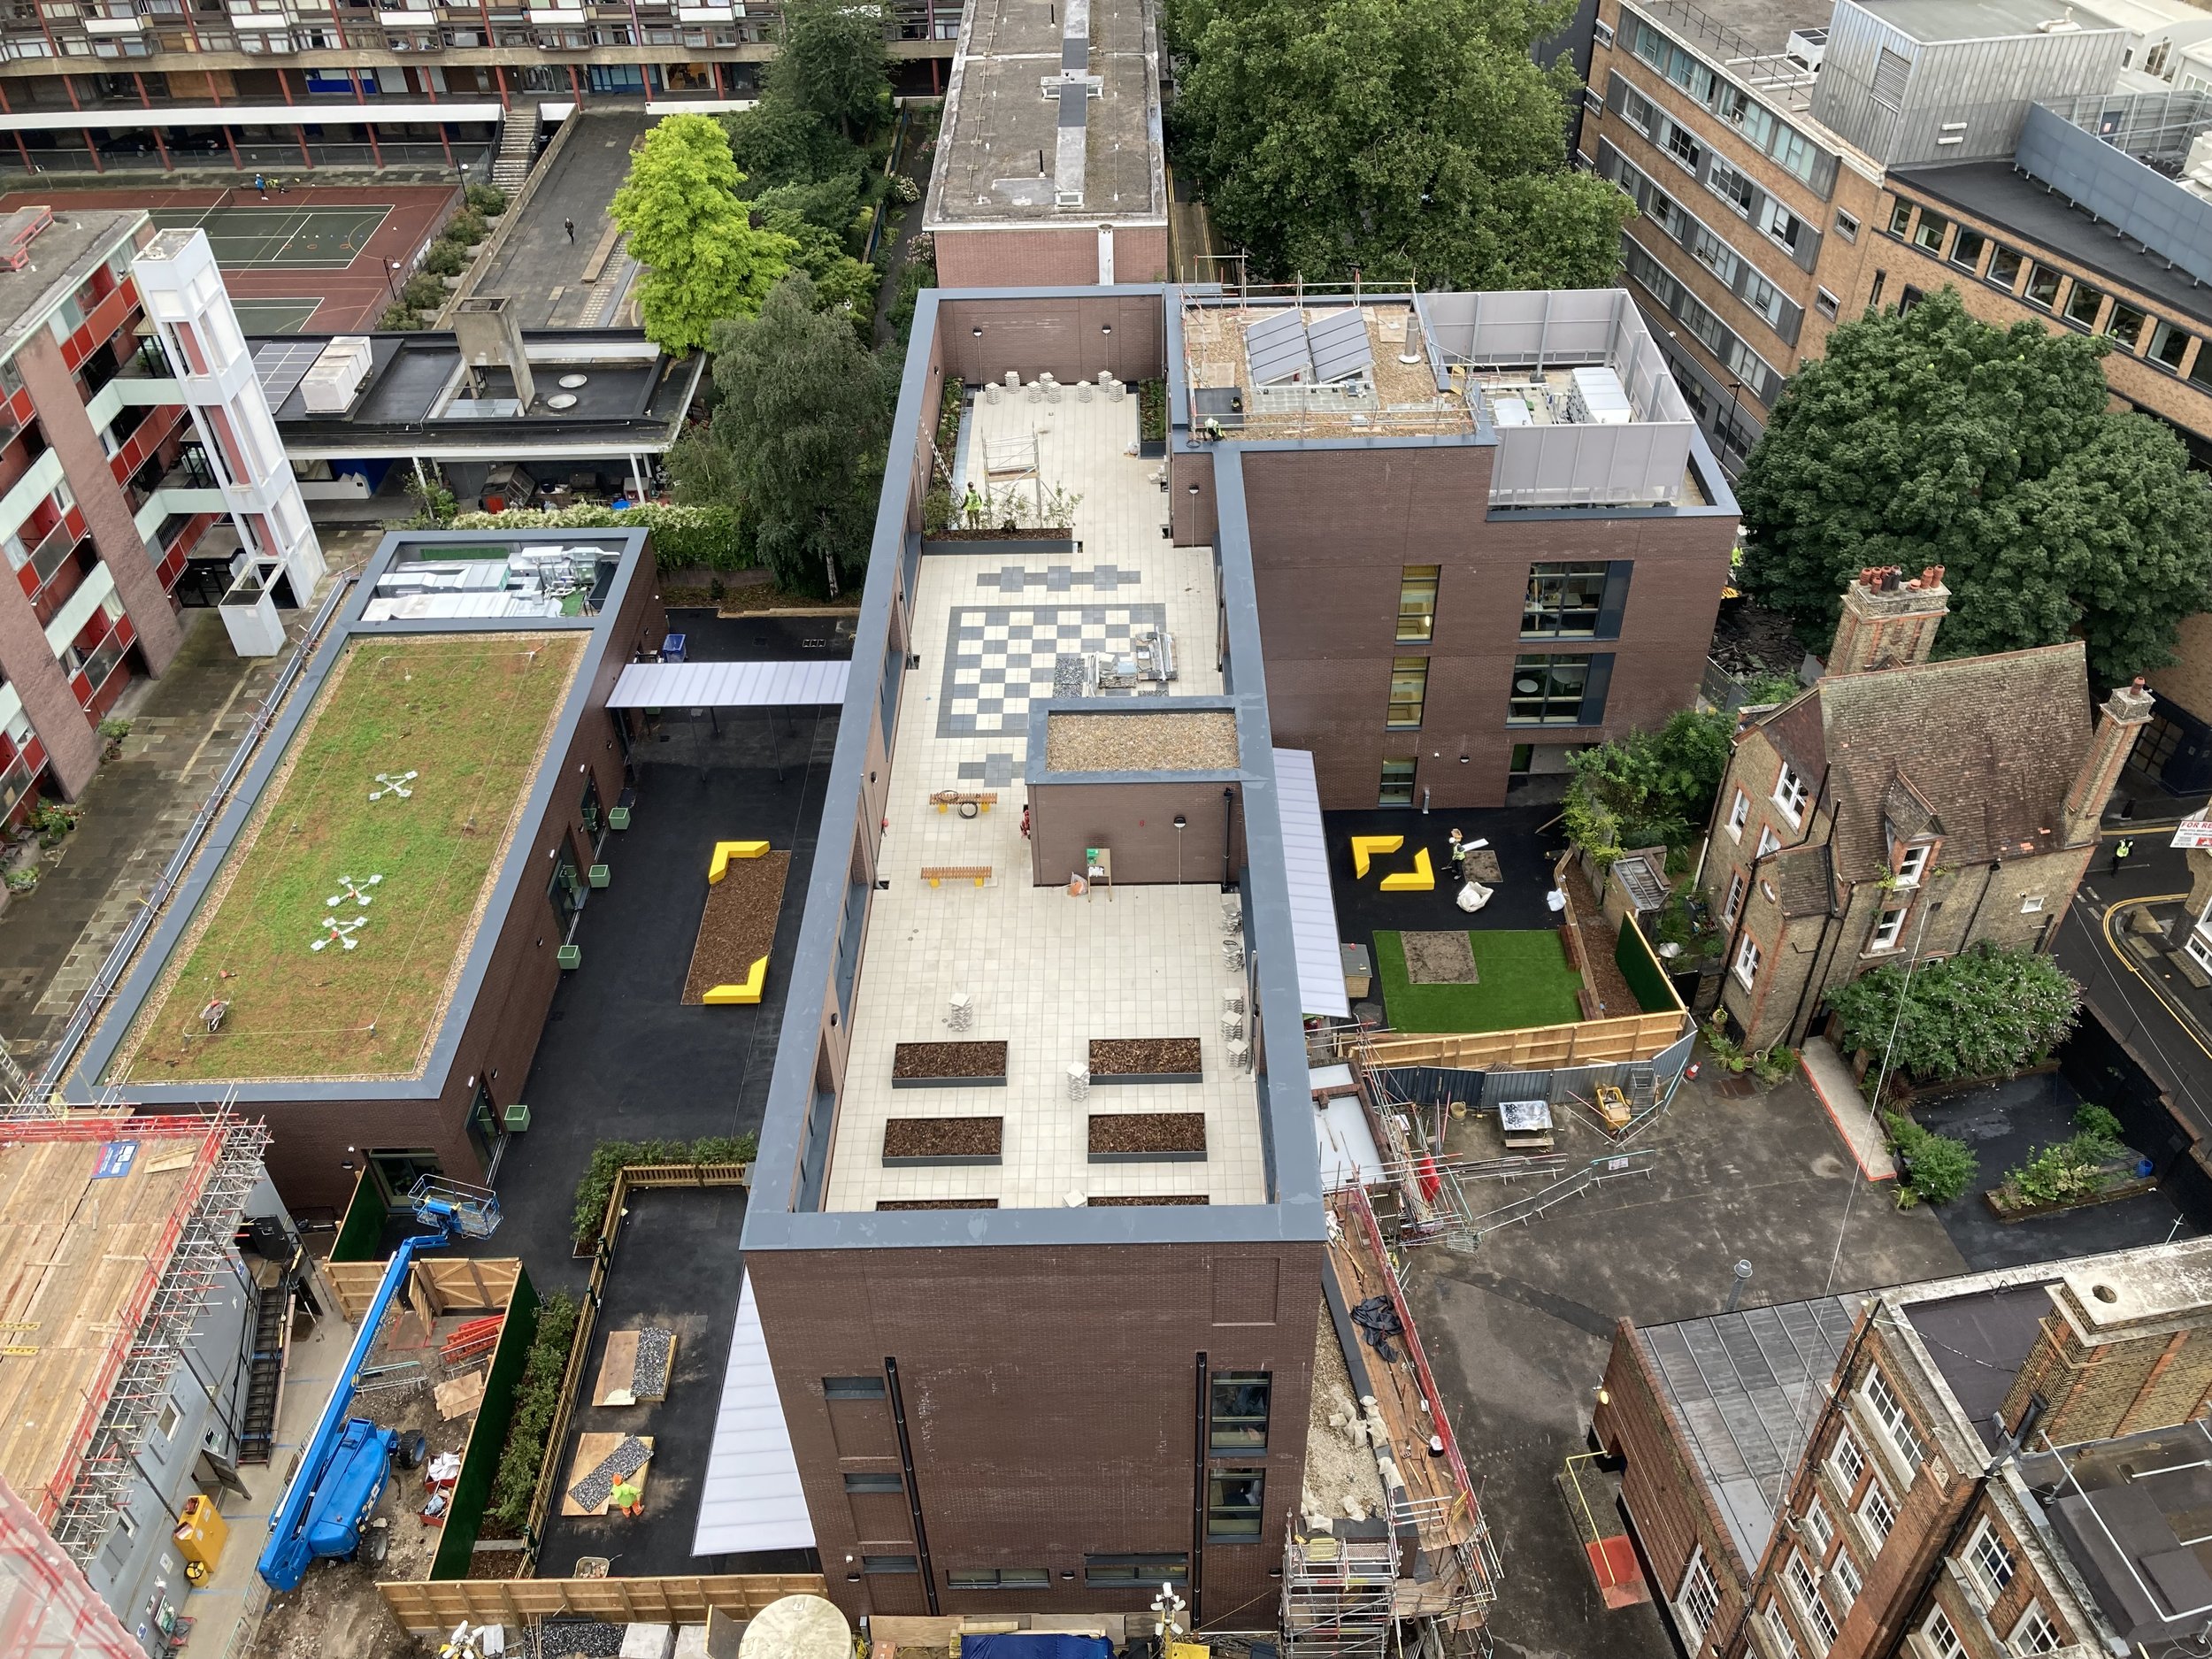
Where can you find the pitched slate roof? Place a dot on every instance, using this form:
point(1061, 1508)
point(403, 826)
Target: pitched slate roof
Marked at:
point(1983, 748)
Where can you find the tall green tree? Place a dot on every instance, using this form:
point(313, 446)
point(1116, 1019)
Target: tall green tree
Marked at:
point(833, 62)
point(1649, 788)
point(1412, 139)
point(797, 438)
point(703, 258)
point(1934, 438)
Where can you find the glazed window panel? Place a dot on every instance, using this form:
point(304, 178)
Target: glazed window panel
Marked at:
point(1547, 690)
point(1562, 601)
point(1416, 602)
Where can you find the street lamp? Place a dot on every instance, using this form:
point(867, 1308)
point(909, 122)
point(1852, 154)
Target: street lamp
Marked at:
point(391, 272)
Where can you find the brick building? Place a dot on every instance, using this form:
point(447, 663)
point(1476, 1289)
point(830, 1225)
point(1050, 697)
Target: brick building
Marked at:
point(1961, 1469)
point(1904, 809)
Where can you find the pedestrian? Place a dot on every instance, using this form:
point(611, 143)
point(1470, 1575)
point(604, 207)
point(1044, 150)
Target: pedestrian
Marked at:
point(569, 224)
point(284, 186)
point(2123, 850)
point(1025, 837)
point(1458, 853)
point(628, 1498)
point(261, 187)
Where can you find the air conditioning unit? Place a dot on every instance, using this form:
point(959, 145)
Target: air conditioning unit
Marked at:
point(1808, 47)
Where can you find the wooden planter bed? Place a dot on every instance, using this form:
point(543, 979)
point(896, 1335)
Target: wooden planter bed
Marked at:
point(1164, 1198)
point(1144, 1060)
point(937, 1204)
point(1147, 1137)
point(941, 1142)
point(949, 1065)
point(2120, 1184)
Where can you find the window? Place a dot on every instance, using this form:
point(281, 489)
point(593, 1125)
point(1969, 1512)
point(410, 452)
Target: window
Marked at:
point(1233, 1501)
point(1966, 251)
point(1397, 781)
point(1769, 841)
point(1878, 1513)
point(1764, 298)
point(2034, 1633)
point(1817, 1531)
point(874, 1483)
point(1738, 812)
point(1843, 1573)
point(889, 1564)
point(2031, 903)
point(852, 1388)
point(1883, 1404)
point(1417, 601)
point(999, 1578)
point(1748, 962)
point(1941, 1637)
point(1699, 1603)
point(1409, 690)
point(166, 1424)
point(1847, 226)
point(1683, 148)
point(2083, 304)
point(2042, 288)
point(1899, 218)
point(1714, 254)
point(1930, 231)
point(1790, 791)
point(1778, 1635)
point(1874, 294)
point(1735, 900)
point(2004, 267)
point(1601, 31)
point(1913, 864)
point(1637, 109)
point(1807, 1594)
point(2201, 370)
point(2168, 345)
point(1239, 1417)
point(1732, 187)
point(1784, 226)
point(1847, 1461)
point(1886, 930)
point(1549, 691)
point(1114, 1570)
point(1564, 601)
point(1989, 1561)
point(2125, 324)
point(1825, 303)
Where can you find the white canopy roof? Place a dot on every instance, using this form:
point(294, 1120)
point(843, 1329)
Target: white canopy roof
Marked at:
point(751, 1498)
point(730, 685)
point(1312, 905)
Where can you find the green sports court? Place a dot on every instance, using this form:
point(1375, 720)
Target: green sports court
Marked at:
point(250, 237)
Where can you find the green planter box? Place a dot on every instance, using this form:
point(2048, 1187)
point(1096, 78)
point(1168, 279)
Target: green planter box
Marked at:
point(518, 1118)
point(618, 817)
point(570, 956)
point(600, 875)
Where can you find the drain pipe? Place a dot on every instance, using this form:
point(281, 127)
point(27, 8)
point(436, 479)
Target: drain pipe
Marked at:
point(1228, 839)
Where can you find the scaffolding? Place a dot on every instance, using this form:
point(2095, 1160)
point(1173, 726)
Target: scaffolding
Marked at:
point(156, 1324)
point(47, 1609)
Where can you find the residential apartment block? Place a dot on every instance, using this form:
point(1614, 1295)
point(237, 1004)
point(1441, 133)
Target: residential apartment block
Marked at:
point(1994, 1466)
point(1904, 809)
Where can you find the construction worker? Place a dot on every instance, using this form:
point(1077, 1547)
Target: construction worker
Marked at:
point(628, 1498)
point(1458, 853)
point(2123, 850)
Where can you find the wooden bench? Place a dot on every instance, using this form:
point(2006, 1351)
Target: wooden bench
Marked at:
point(935, 873)
point(946, 798)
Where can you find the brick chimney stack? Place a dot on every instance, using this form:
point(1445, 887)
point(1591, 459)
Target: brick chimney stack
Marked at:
point(2122, 717)
point(2126, 1346)
point(1888, 622)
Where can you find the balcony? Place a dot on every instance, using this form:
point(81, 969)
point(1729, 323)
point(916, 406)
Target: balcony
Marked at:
point(15, 782)
point(103, 662)
point(52, 552)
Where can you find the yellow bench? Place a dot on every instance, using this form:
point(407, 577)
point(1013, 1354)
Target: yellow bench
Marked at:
point(747, 991)
point(977, 873)
point(1365, 847)
point(724, 851)
point(1420, 879)
point(946, 799)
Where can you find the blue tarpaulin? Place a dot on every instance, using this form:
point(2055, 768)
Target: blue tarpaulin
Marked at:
point(1035, 1645)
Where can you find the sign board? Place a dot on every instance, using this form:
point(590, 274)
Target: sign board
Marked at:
point(2193, 832)
point(115, 1158)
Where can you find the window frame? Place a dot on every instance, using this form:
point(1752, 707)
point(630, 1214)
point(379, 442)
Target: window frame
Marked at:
point(1967, 234)
point(1993, 1579)
point(1889, 1415)
point(1383, 787)
point(1846, 225)
point(1220, 1513)
point(1931, 221)
point(1410, 585)
point(2008, 280)
point(1804, 1587)
point(1879, 1532)
point(1546, 699)
point(2129, 335)
point(2073, 301)
point(1545, 608)
point(983, 1580)
point(1779, 1635)
point(1739, 887)
point(1911, 871)
point(1746, 967)
point(1219, 1422)
point(1770, 844)
point(2162, 333)
point(1791, 792)
point(1846, 1461)
point(1165, 1568)
point(1889, 928)
point(1405, 671)
point(874, 1484)
point(1947, 1645)
point(854, 1387)
point(2038, 272)
point(1739, 813)
point(2053, 1638)
point(1696, 1600)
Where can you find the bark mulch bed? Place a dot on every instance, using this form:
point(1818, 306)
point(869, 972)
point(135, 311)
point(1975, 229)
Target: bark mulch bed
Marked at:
point(949, 1065)
point(1144, 1060)
point(1164, 1198)
point(1603, 984)
point(1147, 1137)
point(739, 926)
point(943, 1141)
point(1440, 959)
point(936, 1203)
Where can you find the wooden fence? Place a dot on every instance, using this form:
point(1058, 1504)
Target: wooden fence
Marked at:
point(441, 1604)
point(1587, 1042)
point(440, 1285)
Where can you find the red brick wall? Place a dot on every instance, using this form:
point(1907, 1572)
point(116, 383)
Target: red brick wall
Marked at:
point(1030, 1374)
point(1051, 256)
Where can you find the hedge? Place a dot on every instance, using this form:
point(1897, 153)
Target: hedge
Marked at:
point(537, 1399)
point(610, 1157)
point(684, 538)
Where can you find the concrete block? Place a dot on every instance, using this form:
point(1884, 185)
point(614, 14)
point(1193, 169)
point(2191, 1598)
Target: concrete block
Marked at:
point(648, 1641)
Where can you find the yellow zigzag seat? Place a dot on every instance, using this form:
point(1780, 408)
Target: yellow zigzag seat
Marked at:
point(1365, 847)
point(748, 991)
point(724, 851)
point(1420, 879)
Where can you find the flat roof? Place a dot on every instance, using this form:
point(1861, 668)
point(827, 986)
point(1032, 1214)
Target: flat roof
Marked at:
point(63, 255)
point(1979, 1343)
point(89, 1215)
point(1758, 27)
point(1222, 353)
point(1931, 21)
point(333, 929)
point(2021, 206)
point(2138, 1541)
point(1001, 155)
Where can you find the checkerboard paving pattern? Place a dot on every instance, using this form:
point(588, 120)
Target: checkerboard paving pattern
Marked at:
point(1001, 658)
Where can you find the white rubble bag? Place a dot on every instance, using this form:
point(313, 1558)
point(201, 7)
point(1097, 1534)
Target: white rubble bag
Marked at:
point(1473, 897)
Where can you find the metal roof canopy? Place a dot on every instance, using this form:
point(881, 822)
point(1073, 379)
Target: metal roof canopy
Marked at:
point(1313, 932)
point(730, 685)
point(1339, 346)
point(751, 1498)
point(1275, 348)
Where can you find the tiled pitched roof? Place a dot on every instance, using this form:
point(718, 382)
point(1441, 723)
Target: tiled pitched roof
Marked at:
point(1988, 747)
point(1803, 878)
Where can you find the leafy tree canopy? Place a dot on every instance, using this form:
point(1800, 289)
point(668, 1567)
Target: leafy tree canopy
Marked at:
point(832, 62)
point(1934, 438)
point(842, 284)
point(703, 260)
point(1985, 1012)
point(1649, 788)
point(797, 437)
point(780, 142)
point(1408, 138)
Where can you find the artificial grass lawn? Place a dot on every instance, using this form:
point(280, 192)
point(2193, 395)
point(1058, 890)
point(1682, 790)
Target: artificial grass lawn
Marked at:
point(1525, 981)
point(470, 714)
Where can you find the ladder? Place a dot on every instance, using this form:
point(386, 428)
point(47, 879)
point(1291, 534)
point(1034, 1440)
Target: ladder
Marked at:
point(264, 1370)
